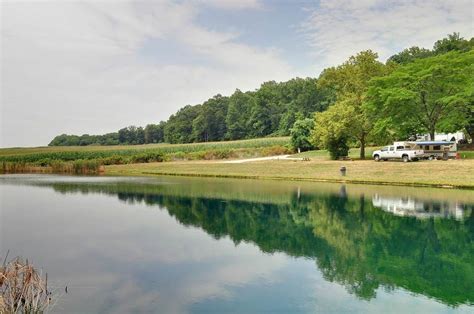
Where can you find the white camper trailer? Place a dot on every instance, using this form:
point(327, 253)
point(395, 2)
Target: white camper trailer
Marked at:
point(437, 149)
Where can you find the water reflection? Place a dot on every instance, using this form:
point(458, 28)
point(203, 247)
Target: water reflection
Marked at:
point(422, 209)
point(341, 229)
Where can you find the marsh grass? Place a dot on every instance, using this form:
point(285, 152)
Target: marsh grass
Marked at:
point(23, 289)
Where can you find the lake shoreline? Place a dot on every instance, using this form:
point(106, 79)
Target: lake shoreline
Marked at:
point(358, 172)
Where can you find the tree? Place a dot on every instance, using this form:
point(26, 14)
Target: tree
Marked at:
point(301, 134)
point(154, 133)
point(330, 130)
point(179, 127)
point(410, 54)
point(427, 95)
point(238, 114)
point(350, 82)
point(454, 42)
point(209, 125)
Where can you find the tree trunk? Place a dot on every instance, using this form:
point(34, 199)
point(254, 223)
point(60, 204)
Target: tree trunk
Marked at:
point(362, 148)
point(432, 135)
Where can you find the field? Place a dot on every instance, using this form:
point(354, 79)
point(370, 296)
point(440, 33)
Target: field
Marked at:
point(204, 159)
point(162, 148)
point(437, 173)
point(88, 159)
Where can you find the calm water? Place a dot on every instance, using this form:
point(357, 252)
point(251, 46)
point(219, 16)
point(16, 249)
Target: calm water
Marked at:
point(179, 245)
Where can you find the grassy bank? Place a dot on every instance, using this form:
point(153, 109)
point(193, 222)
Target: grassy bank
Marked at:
point(452, 173)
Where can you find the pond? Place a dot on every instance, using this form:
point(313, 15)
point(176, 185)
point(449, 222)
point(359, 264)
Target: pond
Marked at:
point(195, 245)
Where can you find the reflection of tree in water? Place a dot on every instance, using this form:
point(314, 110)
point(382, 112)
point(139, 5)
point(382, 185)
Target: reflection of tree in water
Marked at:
point(352, 242)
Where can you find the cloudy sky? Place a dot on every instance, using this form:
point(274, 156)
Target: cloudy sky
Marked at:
point(95, 66)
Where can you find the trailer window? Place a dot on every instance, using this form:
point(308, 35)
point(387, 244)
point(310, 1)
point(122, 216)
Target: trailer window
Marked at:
point(437, 147)
point(400, 148)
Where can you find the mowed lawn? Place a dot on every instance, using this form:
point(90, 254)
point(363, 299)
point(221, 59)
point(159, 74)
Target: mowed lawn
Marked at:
point(453, 173)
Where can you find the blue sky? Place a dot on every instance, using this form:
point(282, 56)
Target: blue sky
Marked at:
point(96, 66)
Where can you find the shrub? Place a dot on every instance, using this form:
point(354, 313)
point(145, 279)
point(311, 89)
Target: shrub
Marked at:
point(338, 147)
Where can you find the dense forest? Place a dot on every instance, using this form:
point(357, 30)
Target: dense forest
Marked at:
point(359, 102)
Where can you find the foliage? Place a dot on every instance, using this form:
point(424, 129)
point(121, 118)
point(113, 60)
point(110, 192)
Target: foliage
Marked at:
point(301, 135)
point(427, 95)
point(350, 82)
point(337, 147)
point(454, 42)
point(410, 54)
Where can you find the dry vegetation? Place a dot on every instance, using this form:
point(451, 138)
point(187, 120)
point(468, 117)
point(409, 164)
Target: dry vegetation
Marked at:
point(22, 288)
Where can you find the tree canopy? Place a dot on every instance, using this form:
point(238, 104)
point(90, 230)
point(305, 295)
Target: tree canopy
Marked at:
point(428, 95)
point(347, 117)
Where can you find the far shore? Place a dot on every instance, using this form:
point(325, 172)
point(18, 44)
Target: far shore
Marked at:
point(457, 174)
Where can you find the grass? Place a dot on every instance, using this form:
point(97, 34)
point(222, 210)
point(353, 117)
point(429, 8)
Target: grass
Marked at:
point(354, 153)
point(452, 173)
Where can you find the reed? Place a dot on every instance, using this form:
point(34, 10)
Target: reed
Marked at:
point(23, 288)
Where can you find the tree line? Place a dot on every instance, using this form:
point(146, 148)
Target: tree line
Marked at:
point(362, 101)
point(271, 110)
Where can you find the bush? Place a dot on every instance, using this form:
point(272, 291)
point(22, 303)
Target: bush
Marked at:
point(301, 135)
point(338, 147)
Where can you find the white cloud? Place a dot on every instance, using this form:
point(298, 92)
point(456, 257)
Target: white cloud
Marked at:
point(337, 29)
point(77, 67)
point(232, 4)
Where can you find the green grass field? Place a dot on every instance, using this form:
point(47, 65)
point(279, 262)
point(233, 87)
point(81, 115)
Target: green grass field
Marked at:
point(451, 173)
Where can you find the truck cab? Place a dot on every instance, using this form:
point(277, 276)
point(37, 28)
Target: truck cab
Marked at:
point(397, 151)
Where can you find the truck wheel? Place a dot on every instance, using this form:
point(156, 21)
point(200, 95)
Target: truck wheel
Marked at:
point(431, 157)
point(405, 158)
point(377, 158)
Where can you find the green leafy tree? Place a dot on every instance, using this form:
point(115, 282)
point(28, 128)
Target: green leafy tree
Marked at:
point(301, 134)
point(331, 127)
point(179, 127)
point(454, 42)
point(427, 95)
point(238, 114)
point(350, 82)
point(210, 125)
point(410, 54)
point(154, 133)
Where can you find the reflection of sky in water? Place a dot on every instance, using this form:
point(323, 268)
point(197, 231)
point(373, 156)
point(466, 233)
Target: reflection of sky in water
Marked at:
point(119, 257)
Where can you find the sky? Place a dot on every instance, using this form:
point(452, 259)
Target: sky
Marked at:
point(94, 67)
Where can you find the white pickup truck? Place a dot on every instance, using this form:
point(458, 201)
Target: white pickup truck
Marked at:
point(402, 152)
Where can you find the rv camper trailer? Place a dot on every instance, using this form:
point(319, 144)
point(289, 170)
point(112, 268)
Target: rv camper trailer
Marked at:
point(435, 149)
